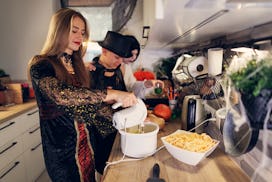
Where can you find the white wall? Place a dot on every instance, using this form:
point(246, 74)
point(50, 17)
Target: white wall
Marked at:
point(24, 25)
point(99, 20)
point(134, 26)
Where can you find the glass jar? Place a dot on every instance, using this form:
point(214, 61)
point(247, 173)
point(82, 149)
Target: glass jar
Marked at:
point(158, 89)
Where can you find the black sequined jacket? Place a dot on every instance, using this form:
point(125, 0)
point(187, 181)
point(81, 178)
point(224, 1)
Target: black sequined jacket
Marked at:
point(65, 111)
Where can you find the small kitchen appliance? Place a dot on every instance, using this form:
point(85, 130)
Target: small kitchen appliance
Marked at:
point(138, 138)
point(193, 113)
point(189, 68)
point(131, 116)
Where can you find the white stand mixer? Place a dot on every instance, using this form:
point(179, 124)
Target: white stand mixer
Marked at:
point(132, 116)
point(141, 143)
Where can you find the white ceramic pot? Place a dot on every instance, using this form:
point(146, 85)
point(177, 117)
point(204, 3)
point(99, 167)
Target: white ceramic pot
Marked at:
point(136, 144)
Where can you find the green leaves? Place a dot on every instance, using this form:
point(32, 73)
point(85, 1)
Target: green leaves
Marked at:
point(254, 77)
point(163, 68)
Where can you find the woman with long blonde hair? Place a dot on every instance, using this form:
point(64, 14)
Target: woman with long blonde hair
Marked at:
point(67, 105)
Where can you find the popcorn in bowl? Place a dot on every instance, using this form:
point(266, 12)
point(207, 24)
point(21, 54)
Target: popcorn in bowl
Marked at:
point(189, 147)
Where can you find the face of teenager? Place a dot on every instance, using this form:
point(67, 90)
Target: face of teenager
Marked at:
point(132, 58)
point(112, 60)
point(76, 35)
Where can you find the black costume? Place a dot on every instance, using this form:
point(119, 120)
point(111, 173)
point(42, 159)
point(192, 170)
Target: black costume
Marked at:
point(103, 145)
point(65, 112)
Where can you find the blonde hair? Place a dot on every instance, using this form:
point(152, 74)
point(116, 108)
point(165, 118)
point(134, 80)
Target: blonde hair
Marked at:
point(57, 41)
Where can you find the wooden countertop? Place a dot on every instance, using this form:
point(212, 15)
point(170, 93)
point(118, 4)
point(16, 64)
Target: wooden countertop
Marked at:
point(217, 167)
point(9, 112)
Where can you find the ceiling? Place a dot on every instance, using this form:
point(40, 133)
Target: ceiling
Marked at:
point(196, 23)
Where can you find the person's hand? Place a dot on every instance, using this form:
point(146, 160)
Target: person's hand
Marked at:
point(90, 66)
point(126, 98)
point(154, 83)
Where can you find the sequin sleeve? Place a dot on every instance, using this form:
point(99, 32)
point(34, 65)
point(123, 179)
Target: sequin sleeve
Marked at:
point(67, 95)
point(80, 103)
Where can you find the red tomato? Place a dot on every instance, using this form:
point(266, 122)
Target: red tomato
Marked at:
point(163, 111)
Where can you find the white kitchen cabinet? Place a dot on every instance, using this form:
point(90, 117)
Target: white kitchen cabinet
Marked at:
point(31, 118)
point(31, 137)
point(21, 157)
point(11, 129)
point(14, 171)
point(33, 152)
point(34, 162)
point(10, 151)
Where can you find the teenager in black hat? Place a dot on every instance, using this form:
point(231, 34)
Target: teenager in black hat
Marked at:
point(115, 47)
point(131, 53)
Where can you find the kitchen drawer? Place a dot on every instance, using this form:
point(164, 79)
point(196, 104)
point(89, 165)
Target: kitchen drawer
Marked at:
point(11, 129)
point(14, 171)
point(32, 136)
point(34, 162)
point(31, 118)
point(10, 151)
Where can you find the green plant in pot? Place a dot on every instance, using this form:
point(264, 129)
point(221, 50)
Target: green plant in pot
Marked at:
point(254, 82)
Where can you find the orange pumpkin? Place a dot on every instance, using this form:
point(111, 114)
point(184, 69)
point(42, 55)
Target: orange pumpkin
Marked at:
point(163, 111)
point(142, 75)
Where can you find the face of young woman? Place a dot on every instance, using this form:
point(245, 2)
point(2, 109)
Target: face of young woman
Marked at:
point(132, 58)
point(76, 35)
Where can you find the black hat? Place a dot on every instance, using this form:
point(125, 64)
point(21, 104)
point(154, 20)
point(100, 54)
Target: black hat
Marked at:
point(117, 43)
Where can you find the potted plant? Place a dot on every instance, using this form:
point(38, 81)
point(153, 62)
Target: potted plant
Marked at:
point(254, 82)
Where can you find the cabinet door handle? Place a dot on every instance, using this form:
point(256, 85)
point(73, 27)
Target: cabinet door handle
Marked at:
point(32, 131)
point(34, 148)
point(13, 143)
point(31, 113)
point(12, 167)
point(11, 123)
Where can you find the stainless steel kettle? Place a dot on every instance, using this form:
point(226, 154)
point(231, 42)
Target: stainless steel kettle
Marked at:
point(193, 113)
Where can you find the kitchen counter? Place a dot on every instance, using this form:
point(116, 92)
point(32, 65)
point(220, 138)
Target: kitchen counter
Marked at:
point(217, 167)
point(9, 112)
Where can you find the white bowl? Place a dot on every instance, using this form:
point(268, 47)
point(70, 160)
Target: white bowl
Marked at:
point(186, 156)
point(137, 145)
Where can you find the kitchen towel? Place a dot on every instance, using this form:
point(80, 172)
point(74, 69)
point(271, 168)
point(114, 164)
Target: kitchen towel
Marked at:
point(215, 59)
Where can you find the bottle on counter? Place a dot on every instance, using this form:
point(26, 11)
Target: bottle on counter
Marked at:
point(25, 91)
